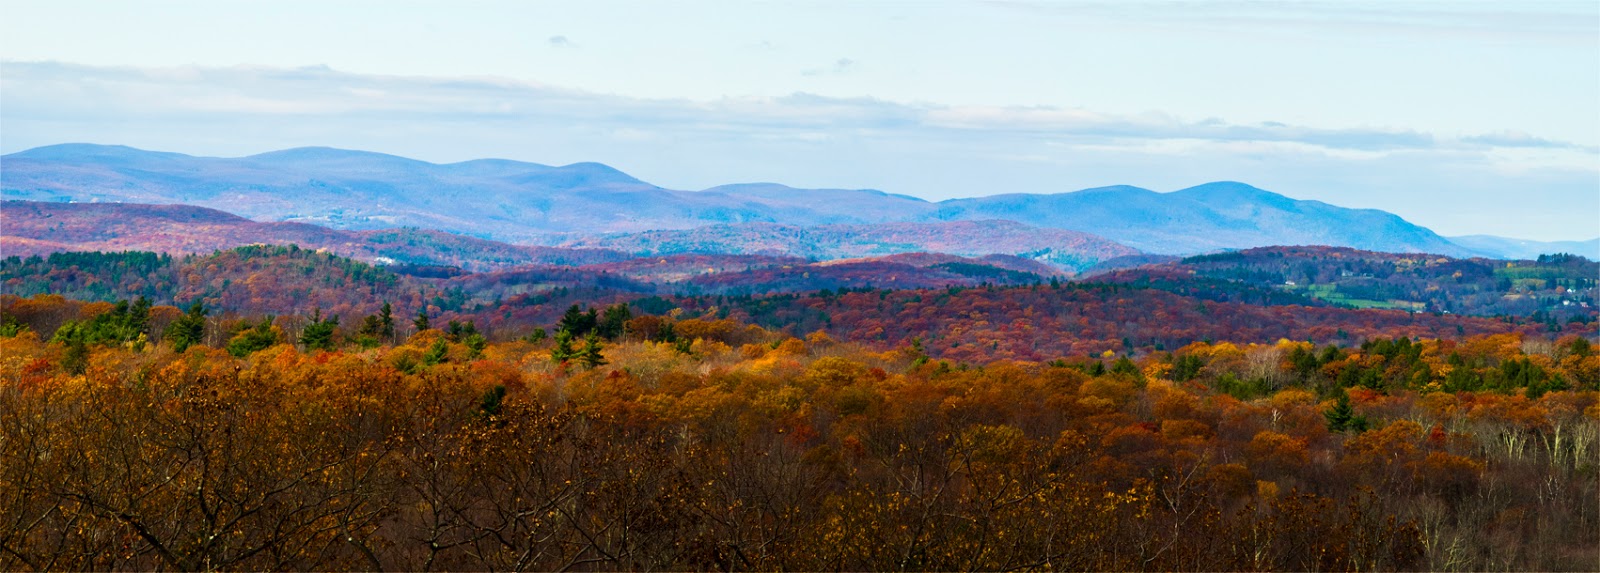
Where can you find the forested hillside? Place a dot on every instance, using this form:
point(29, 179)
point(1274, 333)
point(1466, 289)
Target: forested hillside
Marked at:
point(1066, 250)
point(277, 408)
point(682, 441)
point(38, 229)
point(958, 307)
point(1554, 288)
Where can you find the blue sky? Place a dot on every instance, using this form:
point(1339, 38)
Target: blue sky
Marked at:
point(1465, 117)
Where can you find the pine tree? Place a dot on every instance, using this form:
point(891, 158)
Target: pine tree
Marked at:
point(459, 331)
point(590, 355)
point(613, 322)
point(188, 329)
point(76, 358)
point(489, 404)
point(578, 322)
point(563, 350)
point(253, 338)
point(138, 319)
point(421, 322)
point(319, 334)
point(475, 344)
point(371, 332)
point(1342, 417)
point(439, 352)
point(386, 322)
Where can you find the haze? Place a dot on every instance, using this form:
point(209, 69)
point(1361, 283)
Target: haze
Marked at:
point(1466, 118)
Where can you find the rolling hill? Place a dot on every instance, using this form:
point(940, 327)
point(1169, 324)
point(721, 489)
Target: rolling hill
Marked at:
point(1553, 288)
point(35, 228)
point(527, 202)
point(1221, 215)
point(1065, 249)
point(1507, 248)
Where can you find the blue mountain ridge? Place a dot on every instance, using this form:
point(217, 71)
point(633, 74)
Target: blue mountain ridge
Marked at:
point(533, 203)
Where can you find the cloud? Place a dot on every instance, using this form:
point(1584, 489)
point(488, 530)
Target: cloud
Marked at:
point(1517, 139)
point(925, 149)
point(67, 91)
point(561, 42)
point(839, 67)
point(1528, 21)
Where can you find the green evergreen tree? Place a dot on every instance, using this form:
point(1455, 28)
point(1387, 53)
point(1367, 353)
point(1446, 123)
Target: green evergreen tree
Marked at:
point(10, 326)
point(438, 353)
point(136, 321)
point(124, 323)
point(252, 339)
point(75, 359)
point(475, 344)
point(459, 331)
point(371, 331)
point(1187, 367)
point(563, 350)
point(319, 335)
point(421, 322)
point(386, 322)
point(614, 321)
point(1342, 417)
point(188, 330)
point(590, 355)
point(1125, 367)
point(489, 404)
point(578, 322)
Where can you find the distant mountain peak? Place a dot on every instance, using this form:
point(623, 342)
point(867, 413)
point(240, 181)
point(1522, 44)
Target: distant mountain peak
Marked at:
point(87, 151)
point(1225, 184)
point(600, 171)
point(508, 200)
point(324, 154)
point(1229, 189)
point(1510, 248)
point(1114, 190)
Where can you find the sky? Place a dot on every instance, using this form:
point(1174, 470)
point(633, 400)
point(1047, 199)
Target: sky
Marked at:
point(1466, 117)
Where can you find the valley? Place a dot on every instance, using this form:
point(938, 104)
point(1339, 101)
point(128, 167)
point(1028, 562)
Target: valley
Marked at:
point(491, 364)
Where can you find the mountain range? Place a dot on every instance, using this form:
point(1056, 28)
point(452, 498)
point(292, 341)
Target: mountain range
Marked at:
point(593, 205)
point(1065, 249)
point(1504, 248)
point(35, 229)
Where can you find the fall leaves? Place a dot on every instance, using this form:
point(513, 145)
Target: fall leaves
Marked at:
point(731, 447)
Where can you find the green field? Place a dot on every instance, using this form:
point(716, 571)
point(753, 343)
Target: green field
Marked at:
point(1330, 293)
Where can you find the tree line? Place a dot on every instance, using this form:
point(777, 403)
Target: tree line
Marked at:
point(700, 442)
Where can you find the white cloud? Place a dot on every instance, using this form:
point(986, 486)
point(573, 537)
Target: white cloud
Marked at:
point(65, 91)
point(840, 66)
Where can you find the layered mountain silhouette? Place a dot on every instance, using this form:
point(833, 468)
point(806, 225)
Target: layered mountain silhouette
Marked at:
point(595, 205)
point(1221, 215)
point(38, 228)
point(1504, 248)
point(1062, 248)
point(34, 229)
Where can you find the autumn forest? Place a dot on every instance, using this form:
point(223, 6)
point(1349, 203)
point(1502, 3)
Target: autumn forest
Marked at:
point(272, 408)
point(859, 286)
